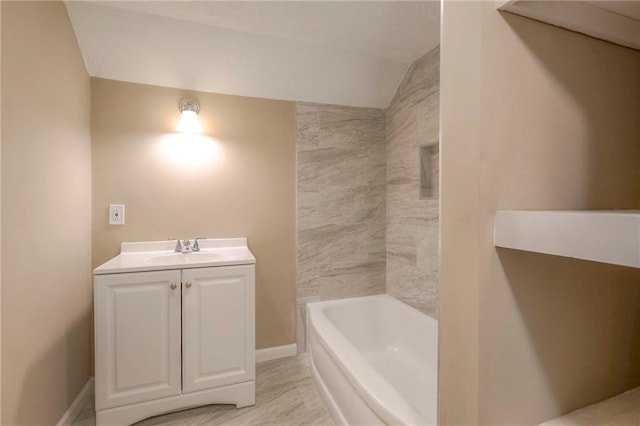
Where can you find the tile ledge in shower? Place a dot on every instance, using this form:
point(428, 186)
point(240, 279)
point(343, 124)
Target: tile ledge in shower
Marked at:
point(607, 236)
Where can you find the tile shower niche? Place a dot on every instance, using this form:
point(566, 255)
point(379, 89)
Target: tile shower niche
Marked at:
point(429, 171)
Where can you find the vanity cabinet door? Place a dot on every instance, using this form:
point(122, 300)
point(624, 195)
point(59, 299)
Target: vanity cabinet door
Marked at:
point(218, 343)
point(137, 337)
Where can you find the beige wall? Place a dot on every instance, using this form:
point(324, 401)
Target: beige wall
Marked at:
point(46, 219)
point(241, 183)
point(533, 117)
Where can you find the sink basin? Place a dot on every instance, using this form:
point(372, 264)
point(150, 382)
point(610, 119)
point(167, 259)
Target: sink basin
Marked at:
point(178, 258)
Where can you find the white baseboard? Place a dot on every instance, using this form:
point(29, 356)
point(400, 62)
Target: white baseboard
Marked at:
point(267, 354)
point(76, 406)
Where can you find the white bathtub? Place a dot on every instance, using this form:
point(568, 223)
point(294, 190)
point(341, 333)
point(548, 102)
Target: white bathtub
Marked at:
point(374, 361)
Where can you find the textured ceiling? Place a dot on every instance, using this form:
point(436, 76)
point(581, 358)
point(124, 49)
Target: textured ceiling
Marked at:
point(348, 53)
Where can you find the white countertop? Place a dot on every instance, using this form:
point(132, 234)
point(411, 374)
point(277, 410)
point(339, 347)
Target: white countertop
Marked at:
point(160, 256)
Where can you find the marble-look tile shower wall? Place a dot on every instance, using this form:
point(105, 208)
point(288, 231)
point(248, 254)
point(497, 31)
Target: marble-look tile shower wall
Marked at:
point(412, 122)
point(341, 168)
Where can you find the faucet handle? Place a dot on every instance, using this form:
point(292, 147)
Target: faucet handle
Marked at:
point(178, 248)
point(195, 246)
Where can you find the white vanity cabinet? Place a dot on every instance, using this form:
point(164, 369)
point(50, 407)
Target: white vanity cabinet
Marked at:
point(171, 339)
point(218, 346)
point(137, 337)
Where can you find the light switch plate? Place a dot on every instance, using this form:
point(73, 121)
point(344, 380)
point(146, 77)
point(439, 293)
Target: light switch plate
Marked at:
point(116, 214)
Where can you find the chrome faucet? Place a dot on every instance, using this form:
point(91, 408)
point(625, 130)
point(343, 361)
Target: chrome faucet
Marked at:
point(195, 246)
point(178, 248)
point(185, 246)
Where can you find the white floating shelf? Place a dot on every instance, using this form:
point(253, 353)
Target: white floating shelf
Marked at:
point(608, 236)
point(623, 409)
point(614, 21)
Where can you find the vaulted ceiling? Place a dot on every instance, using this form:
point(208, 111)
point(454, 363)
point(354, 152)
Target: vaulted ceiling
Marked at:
point(347, 53)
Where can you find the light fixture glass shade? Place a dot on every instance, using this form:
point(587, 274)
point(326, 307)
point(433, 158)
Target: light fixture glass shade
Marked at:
point(189, 122)
point(189, 110)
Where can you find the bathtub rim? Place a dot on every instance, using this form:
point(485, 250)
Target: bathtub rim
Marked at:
point(325, 396)
point(393, 408)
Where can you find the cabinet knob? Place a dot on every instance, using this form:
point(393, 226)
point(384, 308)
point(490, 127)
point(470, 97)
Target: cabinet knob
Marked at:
point(188, 285)
point(173, 286)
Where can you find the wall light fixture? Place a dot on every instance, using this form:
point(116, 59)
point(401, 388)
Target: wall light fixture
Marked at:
point(189, 110)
